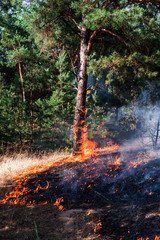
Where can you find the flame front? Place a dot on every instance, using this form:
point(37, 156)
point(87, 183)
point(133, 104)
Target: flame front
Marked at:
point(81, 176)
point(22, 189)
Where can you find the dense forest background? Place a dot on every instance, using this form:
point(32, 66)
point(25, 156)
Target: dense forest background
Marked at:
point(39, 74)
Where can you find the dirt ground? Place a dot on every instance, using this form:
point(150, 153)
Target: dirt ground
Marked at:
point(125, 209)
point(45, 222)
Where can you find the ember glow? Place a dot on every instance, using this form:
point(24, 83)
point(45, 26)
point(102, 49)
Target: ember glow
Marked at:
point(156, 238)
point(98, 227)
point(98, 177)
point(58, 203)
point(18, 195)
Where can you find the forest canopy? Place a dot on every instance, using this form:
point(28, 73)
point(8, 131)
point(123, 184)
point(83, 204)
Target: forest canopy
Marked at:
point(61, 57)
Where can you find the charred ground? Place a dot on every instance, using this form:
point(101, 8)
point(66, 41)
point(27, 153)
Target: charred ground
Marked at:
point(119, 196)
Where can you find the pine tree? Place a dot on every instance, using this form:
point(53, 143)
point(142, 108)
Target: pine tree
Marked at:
point(118, 32)
point(81, 26)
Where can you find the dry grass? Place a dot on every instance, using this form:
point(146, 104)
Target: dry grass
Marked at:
point(38, 222)
point(11, 165)
point(45, 222)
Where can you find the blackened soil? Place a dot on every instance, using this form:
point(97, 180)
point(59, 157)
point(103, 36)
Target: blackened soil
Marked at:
point(129, 194)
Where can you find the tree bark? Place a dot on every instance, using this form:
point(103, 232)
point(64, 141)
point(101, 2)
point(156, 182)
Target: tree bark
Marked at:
point(21, 78)
point(61, 88)
point(80, 109)
point(157, 133)
point(31, 111)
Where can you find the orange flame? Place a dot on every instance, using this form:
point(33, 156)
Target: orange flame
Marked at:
point(58, 204)
point(88, 149)
point(14, 196)
point(98, 227)
point(147, 238)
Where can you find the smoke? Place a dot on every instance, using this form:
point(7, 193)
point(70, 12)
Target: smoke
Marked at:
point(128, 173)
point(139, 122)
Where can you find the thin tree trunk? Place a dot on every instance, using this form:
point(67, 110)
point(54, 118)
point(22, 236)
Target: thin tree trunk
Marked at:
point(157, 133)
point(62, 105)
point(80, 109)
point(21, 78)
point(116, 115)
point(31, 111)
point(19, 124)
point(61, 89)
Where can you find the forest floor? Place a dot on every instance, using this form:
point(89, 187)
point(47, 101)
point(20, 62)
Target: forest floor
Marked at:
point(110, 202)
point(44, 222)
point(39, 222)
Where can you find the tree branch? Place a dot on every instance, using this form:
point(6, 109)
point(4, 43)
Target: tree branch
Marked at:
point(75, 22)
point(94, 34)
point(73, 67)
point(126, 36)
point(71, 27)
point(49, 22)
point(115, 35)
point(104, 3)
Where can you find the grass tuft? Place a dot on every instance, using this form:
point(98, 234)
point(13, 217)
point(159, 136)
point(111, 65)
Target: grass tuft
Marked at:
point(11, 165)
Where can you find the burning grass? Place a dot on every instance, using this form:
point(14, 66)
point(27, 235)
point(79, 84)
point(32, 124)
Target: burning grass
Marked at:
point(115, 195)
point(15, 164)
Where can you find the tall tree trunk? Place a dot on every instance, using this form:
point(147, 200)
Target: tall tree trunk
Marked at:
point(157, 133)
point(61, 88)
point(80, 109)
point(21, 78)
point(31, 111)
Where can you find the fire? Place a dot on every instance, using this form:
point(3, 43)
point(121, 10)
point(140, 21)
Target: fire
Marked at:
point(116, 161)
point(90, 212)
point(33, 183)
point(134, 164)
point(147, 238)
point(89, 150)
point(98, 227)
point(58, 204)
point(111, 148)
point(87, 147)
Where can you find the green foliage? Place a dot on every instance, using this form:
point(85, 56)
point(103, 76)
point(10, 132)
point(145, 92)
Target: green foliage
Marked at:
point(130, 119)
point(14, 127)
point(54, 115)
point(43, 39)
point(47, 82)
point(97, 116)
point(53, 129)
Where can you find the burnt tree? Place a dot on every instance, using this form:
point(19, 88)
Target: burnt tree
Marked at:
point(80, 26)
point(80, 109)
